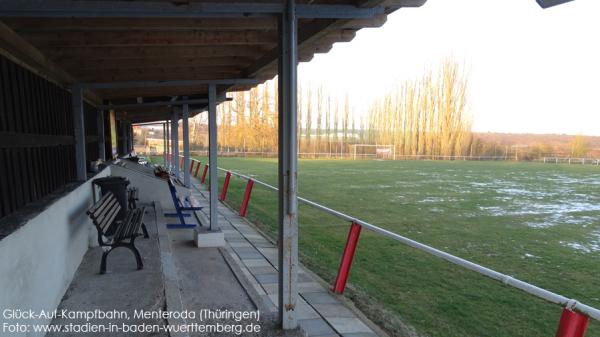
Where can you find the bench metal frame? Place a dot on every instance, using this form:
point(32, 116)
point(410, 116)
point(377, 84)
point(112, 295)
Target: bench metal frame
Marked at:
point(122, 233)
point(181, 206)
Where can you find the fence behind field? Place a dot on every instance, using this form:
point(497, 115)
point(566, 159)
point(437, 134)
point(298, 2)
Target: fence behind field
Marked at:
point(575, 314)
point(568, 160)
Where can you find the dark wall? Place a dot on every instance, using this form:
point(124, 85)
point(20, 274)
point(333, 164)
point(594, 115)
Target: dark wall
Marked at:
point(37, 154)
point(91, 132)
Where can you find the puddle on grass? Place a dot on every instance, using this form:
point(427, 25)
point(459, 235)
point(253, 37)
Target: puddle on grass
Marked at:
point(591, 246)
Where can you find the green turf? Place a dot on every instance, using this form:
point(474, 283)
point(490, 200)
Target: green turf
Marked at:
point(537, 222)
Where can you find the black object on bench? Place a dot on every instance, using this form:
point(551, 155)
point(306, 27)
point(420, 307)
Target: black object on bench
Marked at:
point(181, 205)
point(124, 232)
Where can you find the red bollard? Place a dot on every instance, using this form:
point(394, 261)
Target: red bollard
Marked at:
point(346, 263)
point(572, 324)
point(225, 186)
point(197, 169)
point(247, 193)
point(204, 174)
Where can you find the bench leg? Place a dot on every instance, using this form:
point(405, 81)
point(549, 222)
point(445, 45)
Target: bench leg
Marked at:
point(131, 246)
point(136, 253)
point(145, 231)
point(103, 261)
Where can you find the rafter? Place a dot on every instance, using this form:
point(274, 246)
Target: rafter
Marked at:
point(84, 65)
point(153, 9)
point(101, 53)
point(123, 24)
point(133, 39)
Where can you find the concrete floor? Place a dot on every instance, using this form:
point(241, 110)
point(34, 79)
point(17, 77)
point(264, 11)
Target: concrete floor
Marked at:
point(122, 288)
point(179, 277)
point(320, 313)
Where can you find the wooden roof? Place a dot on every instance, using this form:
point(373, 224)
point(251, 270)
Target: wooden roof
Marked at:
point(116, 49)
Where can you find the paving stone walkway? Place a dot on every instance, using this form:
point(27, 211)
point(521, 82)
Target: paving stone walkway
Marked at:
point(320, 313)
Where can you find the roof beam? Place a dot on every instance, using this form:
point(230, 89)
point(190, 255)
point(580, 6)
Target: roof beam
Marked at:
point(549, 3)
point(153, 104)
point(135, 38)
point(119, 93)
point(149, 9)
point(156, 84)
point(14, 46)
point(96, 53)
point(138, 63)
point(167, 74)
point(121, 24)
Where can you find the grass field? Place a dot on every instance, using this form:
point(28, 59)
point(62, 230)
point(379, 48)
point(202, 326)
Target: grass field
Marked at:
point(536, 222)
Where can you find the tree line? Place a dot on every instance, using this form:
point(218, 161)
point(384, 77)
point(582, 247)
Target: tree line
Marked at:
point(426, 116)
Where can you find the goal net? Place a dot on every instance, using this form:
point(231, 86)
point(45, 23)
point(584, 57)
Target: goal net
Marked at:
point(370, 151)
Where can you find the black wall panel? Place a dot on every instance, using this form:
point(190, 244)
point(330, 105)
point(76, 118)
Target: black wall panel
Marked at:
point(37, 155)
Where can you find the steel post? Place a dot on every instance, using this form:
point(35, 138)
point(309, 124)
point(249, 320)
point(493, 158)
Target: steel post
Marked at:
point(212, 156)
point(204, 174)
point(572, 324)
point(79, 133)
point(175, 143)
point(197, 169)
point(225, 186)
point(346, 263)
point(186, 144)
point(288, 202)
point(246, 200)
point(164, 144)
point(123, 138)
point(101, 137)
point(168, 137)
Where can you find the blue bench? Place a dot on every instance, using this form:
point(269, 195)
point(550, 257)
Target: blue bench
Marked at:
point(182, 205)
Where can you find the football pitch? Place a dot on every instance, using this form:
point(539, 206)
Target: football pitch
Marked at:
point(536, 222)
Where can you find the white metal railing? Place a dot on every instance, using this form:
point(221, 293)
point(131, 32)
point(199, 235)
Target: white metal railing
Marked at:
point(506, 279)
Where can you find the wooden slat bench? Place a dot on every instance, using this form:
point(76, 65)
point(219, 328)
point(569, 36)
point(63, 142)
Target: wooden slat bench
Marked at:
point(114, 234)
point(181, 204)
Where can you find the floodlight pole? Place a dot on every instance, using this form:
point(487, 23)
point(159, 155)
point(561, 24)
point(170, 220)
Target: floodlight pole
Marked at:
point(288, 159)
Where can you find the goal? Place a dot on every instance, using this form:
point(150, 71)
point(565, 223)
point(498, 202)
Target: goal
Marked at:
point(370, 151)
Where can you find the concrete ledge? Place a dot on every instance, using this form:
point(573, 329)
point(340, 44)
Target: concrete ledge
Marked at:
point(209, 239)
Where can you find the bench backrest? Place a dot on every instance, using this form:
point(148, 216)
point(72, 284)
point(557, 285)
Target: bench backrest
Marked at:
point(173, 191)
point(103, 213)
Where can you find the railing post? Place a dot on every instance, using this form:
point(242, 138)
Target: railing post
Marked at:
point(197, 169)
point(346, 263)
point(204, 174)
point(191, 166)
point(246, 200)
point(181, 163)
point(572, 324)
point(225, 186)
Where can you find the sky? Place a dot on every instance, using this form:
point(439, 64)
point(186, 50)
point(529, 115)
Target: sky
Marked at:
point(530, 70)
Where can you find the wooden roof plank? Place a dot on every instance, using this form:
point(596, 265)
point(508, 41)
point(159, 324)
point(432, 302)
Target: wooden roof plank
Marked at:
point(120, 39)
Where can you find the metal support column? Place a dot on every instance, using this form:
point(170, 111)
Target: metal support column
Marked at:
point(288, 202)
point(175, 143)
point(79, 133)
point(123, 138)
point(164, 135)
point(212, 156)
point(101, 137)
point(168, 136)
point(130, 137)
point(186, 145)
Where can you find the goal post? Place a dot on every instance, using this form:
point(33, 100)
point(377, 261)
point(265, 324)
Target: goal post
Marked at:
point(373, 151)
